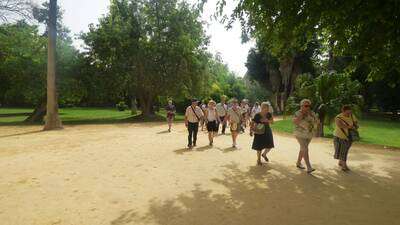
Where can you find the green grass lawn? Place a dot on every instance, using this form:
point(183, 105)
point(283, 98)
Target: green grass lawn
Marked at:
point(77, 115)
point(372, 131)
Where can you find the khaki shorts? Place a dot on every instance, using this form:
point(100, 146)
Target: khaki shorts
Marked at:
point(235, 127)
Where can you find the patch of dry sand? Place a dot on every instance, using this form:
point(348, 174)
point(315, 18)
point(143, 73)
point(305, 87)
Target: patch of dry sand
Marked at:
point(140, 174)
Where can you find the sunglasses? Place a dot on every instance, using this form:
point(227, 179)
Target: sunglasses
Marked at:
point(307, 106)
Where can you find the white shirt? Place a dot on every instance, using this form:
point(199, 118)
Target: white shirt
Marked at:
point(255, 110)
point(211, 114)
point(221, 109)
point(191, 117)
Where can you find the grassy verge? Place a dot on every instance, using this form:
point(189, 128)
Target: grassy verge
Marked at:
point(16, 116)
point(372, 131)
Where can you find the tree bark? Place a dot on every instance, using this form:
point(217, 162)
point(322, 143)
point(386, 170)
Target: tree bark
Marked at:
point(320, 127)
point(52, 118)
point(146, 105)
point(133, 106)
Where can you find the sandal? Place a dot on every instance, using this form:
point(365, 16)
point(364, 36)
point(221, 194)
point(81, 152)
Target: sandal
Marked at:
point(310, 171)
point(300, 166)
point(265, 158)
point(345, 169)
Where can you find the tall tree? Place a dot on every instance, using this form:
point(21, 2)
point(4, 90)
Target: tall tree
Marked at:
point(367, 30)
point(52, 118)
point(154, 47)
point(326, 100)
point(15, 10)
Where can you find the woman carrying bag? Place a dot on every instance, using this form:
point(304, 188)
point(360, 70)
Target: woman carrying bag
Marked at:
point(263, 138)
point(345, 134)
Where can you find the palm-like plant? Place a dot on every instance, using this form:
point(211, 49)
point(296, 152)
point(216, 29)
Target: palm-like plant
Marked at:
point(328, 92)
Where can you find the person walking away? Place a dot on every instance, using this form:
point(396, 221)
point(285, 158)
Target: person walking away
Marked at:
point(193, 116)
point(263, 138)
point(305, 122)
point(234, 116)
point(222, 109)
point(345, 123)
point(171, 110)
point(212, 119)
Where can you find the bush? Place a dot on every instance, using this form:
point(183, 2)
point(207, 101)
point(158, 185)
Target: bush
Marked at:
point(122, 106)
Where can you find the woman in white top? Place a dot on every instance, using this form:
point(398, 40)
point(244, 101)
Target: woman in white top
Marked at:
point(256, 109)
point(212, 119)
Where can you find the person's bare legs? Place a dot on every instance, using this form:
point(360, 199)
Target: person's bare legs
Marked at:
point(264, 154)
point(301, 154)
point(169, 124)
point(299, 158)
point(306, 158)
point(259, 157)
point(234, 136)
point(211, 137)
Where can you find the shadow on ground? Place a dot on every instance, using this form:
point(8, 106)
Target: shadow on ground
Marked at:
point(277, 194)
point(75, 121)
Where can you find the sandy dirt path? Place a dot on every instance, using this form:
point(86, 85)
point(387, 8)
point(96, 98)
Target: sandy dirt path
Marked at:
point(140, 174)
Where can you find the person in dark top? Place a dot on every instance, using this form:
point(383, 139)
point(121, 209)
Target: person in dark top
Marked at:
point(263, 138)
point(170, 108)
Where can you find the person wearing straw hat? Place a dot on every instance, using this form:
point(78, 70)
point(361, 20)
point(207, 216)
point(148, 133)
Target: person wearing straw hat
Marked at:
point(212, 121)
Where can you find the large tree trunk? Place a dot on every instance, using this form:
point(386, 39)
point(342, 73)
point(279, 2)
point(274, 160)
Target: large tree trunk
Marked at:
point(274, 102)
point(38, 114)
point(320, 127)
point(146, 104)
point(52, 118)
point(133, 106)
point(285, 67)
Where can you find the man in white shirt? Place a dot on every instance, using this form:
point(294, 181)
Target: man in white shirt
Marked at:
point(193, 116)
point(222, 110)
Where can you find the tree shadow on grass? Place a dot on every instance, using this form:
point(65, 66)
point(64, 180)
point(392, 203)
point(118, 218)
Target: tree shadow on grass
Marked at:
point(279, 195)
point(14, 114)
point(77, 121)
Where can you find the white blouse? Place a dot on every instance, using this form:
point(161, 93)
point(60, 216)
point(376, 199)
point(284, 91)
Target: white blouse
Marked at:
point(211, 114)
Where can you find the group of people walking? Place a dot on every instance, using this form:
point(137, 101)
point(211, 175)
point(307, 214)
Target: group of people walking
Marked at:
point(258, 118)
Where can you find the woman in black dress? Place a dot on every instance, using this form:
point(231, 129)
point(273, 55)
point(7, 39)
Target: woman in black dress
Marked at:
point(263, 138)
